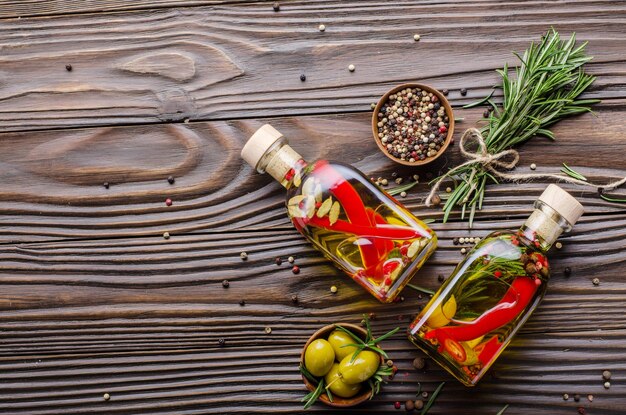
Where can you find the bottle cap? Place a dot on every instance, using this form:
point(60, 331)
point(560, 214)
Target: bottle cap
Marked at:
point(563, 203)
point(260, 142)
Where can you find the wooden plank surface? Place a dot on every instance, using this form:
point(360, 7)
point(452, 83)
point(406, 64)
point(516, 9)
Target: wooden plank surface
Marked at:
point(93, 300)
point(234, 61)
point(53, 180)
point(30, 8)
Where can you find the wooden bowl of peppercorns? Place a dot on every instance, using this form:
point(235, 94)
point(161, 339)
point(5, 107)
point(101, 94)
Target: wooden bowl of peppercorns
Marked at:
point(413, 124)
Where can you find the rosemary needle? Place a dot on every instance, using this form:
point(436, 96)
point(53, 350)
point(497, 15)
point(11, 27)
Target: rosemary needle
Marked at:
point(503, 409)
point(402, 188)
point(432, 399)
point(421, 289)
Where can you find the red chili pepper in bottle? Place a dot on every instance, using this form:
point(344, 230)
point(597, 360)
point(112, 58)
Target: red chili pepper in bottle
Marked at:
point(508, 308)
point(349, 219)
point(480, 307)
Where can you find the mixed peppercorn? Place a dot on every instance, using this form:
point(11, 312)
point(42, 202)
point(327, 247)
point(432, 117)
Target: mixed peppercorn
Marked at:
point(413, 125)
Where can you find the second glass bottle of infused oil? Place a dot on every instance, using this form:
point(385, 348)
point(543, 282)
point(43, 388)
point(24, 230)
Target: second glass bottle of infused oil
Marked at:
point(491, 294)
point(355, 224)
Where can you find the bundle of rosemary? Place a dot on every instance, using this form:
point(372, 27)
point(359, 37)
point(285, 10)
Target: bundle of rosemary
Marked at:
point(545, 90)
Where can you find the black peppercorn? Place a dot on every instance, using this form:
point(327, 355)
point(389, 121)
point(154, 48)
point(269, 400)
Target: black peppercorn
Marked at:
point(567, 271)
point(486, 114)
point(463, 91)
point(441, 278)
point(221, 342)
point(419, 363)
point(68, 67)
point(294, 299)
point(106, 185)
point(225, 284)
point(444, 92)
point(278, 261)
point(242, 303)
point(303, 77)
point(455, 241)
point(171, 180)
point(276, 6)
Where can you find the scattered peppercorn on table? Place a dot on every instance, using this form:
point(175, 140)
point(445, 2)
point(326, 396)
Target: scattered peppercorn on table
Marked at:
point(145, 269)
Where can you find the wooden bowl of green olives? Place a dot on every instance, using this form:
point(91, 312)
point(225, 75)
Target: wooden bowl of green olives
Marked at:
point(328, 364)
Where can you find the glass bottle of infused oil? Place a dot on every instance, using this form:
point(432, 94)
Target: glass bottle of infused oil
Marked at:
point(354, 223)
point(490, 295)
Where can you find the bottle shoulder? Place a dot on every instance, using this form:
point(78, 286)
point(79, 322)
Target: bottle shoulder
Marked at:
point(509, 251)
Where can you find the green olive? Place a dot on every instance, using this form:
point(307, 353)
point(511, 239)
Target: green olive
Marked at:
point(338, 386)
point(319, 357)
point(338, 339)
point(361, 369)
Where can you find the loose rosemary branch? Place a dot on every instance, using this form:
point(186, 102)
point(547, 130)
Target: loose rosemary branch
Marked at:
point(545, 90)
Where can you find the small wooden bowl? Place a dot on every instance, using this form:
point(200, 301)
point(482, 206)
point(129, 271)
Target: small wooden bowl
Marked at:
point(338, 402)
point(442, 100)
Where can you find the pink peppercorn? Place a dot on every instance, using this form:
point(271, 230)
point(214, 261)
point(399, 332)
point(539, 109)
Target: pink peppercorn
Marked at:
point(295, 269)
point(168, 201)
point(537, 282)
point(397, 405)
point(443, 129)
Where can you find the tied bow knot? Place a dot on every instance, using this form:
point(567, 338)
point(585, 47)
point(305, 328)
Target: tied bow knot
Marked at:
point(483, 156)
point(497, 165)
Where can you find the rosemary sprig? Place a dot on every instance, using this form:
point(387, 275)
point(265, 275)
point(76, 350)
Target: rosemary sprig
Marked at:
point(432, 399)
point(311, 397)
point(370, 342)
point(377, 379)
point(545, 89)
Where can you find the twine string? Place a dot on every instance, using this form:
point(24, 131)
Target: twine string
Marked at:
point(498, 163)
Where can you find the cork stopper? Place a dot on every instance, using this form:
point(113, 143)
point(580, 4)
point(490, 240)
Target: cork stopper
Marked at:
point(258, 145)
point(563, 203)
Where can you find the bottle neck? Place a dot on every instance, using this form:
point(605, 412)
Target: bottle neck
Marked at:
point(544, 226)
point(282, 163)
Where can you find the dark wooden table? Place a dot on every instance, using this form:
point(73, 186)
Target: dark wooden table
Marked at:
point(94, 300)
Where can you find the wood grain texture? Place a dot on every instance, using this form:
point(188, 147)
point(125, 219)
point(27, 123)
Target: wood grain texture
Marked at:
point(52, 181)
point(93, 300)
point(140, 319)
point(243, 61)
point(30, 8)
